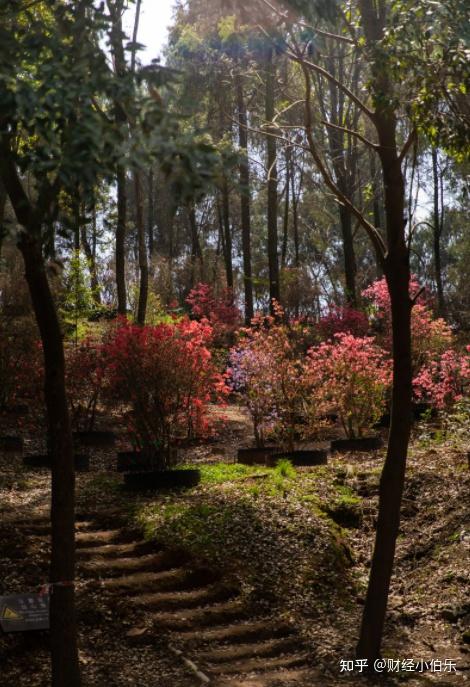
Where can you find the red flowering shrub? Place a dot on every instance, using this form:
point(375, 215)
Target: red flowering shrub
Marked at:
point(445, 381)
point(85, 378)
point(430, 336)
point(220, 311)
point(340, 319)
point(164, 376)
point(349, 376)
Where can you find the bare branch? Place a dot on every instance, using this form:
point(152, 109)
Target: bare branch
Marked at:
point(344, 200)
point(316, 68)
point(362, 138)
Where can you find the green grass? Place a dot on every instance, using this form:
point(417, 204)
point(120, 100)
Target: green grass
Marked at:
point(218, 473)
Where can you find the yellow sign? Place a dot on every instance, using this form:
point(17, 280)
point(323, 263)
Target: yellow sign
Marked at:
point(10, 614)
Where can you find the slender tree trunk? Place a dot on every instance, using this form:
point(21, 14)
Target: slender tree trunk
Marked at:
point(227, 234)
point(285, 230)
point(3, 200)
point(121, 230)
point(245, 216)
point(437, 224)
point(349, 255)
point(376, 207)
point(91, 258)
point(151, 211)
point(196, 252)
point(397, 273)
point(142, 252)
point(64, 651)
point(272, 200)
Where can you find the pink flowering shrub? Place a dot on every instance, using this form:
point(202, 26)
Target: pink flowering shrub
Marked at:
point(445, 381)
point(165, 377)
point(266, 371)
point(341, 319)
point(430, 336)
point(350, 376)
point(220, 311)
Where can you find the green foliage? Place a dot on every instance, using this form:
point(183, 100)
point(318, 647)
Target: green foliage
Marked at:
point(76, 301)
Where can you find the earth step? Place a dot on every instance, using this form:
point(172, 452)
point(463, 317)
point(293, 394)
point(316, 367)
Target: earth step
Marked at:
point(199, 617)
point(190, 598)
point(116, 566)
point(271, 679)
point(238, 633)
point(252, 665)
point(268, 648)
point(100, 537)
point(146, 581)
point(115, 550)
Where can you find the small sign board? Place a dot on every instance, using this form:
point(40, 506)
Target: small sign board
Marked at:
point(24, 612)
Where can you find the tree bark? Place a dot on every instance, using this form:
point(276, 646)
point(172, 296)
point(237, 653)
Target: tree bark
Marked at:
point(151, 211)
point(437, 227)
point(285, 229)
point(397, 274)
point(143, 261)
point(227, 234)
point(245, 216)
point(91, 257)
point(64, 651)
point(121, 230)
point(272, 200)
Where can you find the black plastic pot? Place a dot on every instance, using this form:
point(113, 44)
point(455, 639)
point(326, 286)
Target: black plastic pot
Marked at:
point(139, 461)
point(11, 444)
point(37, 460)
point(360, 444)
point(300, 458)
point(96, 438)
point(161, 479)
point(256, 456)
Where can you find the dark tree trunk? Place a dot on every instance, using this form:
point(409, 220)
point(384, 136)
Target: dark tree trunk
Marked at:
point(227, 234)
point(272, 200)
point(65, 666)
point(142, 251)
point(3, 200)
point(397, 273)
point(437, 228)
point(121, 241)
point(245, 216)
point(376, 207)
point(196, 252)
point(285, 230)
point(91, 258)
point(349, 255)
point(151, 211)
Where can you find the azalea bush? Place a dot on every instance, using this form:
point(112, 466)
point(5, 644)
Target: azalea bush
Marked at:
point(444, 381)
point(266, 370)
point(349, 376)
point(430, 336)
point(220, 311)
point(342, 319)
point(86, 367)
point(164, 379)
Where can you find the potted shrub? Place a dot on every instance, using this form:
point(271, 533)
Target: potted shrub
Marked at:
point(163, 378)
point(351, 375)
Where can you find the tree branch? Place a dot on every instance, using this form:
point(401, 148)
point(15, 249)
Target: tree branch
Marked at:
point(362, 138)
point(344, 200)
point(409, 142)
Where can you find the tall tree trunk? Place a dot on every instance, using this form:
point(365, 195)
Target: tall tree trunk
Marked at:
point(91, 258)
point(143, 262)
point(116, 9)
point(272, 200)
point(196, 252)
point(227, 234)
point(285, 229)
point(64, 651)
point(349, 255)
point(437, 225)
point(376, 207)
point(121, 230)
point(3, 200)
point(397, 273)
point(151, 211)
point(245, 216)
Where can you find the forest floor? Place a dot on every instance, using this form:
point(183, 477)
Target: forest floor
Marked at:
point(257, 575)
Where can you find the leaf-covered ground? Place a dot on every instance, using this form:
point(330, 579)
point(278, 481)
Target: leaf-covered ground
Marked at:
point(297, 541)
